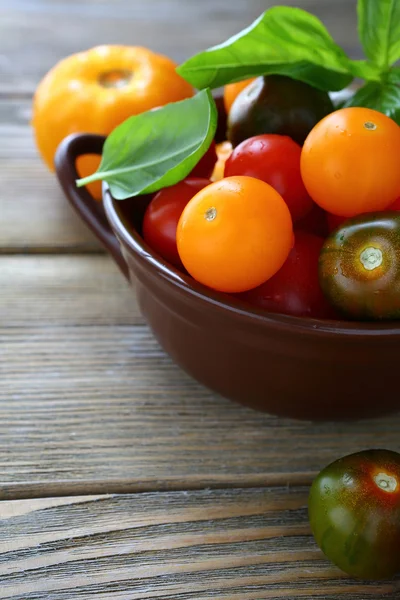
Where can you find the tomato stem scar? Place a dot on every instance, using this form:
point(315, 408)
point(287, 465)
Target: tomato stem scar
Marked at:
point(210, 214)
point(371, 258)
point(370, 126)
point(386, 482)
point(115, 79)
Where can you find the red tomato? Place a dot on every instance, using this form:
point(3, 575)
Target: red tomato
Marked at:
point(206, 164)
point(162, 216)
point(295, 289)
point(314, 222)
point(395, 205)
point(274, 159)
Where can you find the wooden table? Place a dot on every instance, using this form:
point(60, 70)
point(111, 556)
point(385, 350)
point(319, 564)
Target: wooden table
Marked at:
point(120, 477)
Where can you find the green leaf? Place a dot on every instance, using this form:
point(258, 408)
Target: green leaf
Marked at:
point(282, 41)
point(158, 148)
point(364, 69)
point(394, 75)
point(384, 97)
point(379, 30)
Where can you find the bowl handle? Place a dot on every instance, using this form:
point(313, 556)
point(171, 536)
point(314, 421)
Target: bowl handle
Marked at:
point(90, 210)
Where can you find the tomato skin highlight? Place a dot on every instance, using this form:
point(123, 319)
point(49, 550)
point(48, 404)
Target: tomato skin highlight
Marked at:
point(350, 162)
point(274, 159)
point(163, 213)
point(232, 90)
point(235, 234)
point(359, 267)
point(295, 289)
point(354, 512)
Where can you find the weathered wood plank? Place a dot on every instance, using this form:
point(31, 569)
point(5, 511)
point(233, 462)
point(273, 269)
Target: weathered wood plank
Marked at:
point(34, 214)
point(94, 409)
point(248, 544)
point(64, 290)
point(34, 35)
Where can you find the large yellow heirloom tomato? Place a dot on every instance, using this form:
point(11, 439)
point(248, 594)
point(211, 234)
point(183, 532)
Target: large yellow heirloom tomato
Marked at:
point(96, 90)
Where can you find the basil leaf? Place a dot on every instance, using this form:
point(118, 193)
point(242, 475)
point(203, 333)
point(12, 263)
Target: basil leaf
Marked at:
point(282, 41)
point(394, 75)
point(157, 148)
point(384, 97)
point(379, 30)
point(364, 69)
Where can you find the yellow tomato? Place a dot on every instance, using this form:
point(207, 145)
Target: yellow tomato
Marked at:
point(96, 90)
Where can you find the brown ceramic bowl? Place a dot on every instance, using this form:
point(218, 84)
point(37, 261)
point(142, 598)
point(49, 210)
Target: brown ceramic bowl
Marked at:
point(296, 367)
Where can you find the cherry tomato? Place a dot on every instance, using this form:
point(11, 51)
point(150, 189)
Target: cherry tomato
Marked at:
point(354, 510)
point(162, 216)
point(350, 162)
point(359, 268)
point(274, 159)
point(235, 234)
point(206, 164)
point(295, 289)
point(314, 222)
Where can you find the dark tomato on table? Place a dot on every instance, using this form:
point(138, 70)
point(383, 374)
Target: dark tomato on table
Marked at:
point(295, 289)
point(274, 159)
point(354, 511)
point(162, 216)
point(206, 164)
point(359, 267)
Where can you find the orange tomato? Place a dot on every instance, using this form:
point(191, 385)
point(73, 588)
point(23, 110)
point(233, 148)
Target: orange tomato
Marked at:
point(235, 234)
point(350, 162)
point(87, 164)
point(232, 91)
point(96, 90)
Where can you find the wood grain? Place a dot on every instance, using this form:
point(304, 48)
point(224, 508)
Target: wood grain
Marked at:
point(238, 544)
point(89, 404)
point(99, 409)
point(35, 216)
point(64, 290)
point(36, 34)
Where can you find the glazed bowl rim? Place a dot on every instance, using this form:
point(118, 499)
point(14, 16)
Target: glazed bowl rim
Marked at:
point(235, 307)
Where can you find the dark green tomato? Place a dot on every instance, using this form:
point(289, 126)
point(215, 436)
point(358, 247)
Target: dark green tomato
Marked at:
point(354, 511)
point(277, 104)
point(359, 267)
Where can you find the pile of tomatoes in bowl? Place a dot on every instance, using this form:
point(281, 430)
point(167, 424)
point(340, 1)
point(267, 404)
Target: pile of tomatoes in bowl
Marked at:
point(306, 227)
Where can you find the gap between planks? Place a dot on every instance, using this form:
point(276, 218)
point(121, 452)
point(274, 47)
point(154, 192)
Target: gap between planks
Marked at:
point(225, 544)
point(94, 409)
